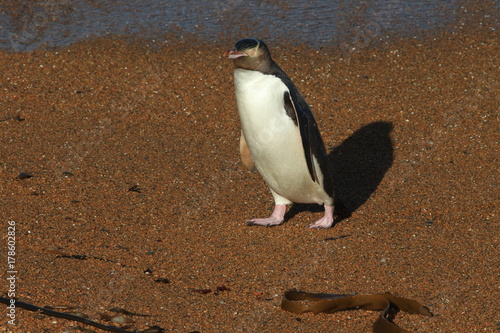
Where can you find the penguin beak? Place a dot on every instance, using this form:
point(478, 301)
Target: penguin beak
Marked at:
point(233, 54)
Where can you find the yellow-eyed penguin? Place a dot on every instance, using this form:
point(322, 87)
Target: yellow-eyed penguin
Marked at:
point(279, 134)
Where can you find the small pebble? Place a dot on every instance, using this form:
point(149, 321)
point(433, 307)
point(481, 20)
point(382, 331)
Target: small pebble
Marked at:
point(153, 329)
point(24, 175)
point(202, 291)
point(162, 280)
point(119, 319)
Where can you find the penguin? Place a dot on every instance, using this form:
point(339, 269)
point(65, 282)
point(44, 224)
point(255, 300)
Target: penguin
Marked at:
point(280, 137)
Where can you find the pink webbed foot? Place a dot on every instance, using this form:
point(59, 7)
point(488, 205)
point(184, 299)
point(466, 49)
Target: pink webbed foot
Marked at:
point(326, 221)
point(276, 218)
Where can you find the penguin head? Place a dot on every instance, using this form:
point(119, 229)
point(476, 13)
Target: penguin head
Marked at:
point(251, 54)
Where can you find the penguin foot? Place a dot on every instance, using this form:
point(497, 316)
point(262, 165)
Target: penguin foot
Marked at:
point(276, 218)
point(326, 221)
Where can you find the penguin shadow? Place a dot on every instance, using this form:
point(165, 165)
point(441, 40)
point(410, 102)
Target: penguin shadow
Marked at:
point(358, 165)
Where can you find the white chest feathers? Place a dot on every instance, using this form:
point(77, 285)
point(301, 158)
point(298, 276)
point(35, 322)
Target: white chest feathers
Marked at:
point(261, 107)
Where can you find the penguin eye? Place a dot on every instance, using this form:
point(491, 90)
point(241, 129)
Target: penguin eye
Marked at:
point(252, 52)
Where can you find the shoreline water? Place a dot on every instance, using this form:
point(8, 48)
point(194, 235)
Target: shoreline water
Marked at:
point(47, 24)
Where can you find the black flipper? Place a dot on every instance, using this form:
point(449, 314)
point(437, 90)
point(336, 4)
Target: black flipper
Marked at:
point(305, 134)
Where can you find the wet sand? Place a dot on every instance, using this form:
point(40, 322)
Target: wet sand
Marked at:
point(133, 149)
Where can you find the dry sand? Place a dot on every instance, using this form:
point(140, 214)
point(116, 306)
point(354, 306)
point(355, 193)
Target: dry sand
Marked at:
point(133, 149)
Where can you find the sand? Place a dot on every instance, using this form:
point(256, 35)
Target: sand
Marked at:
point(138, 198)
